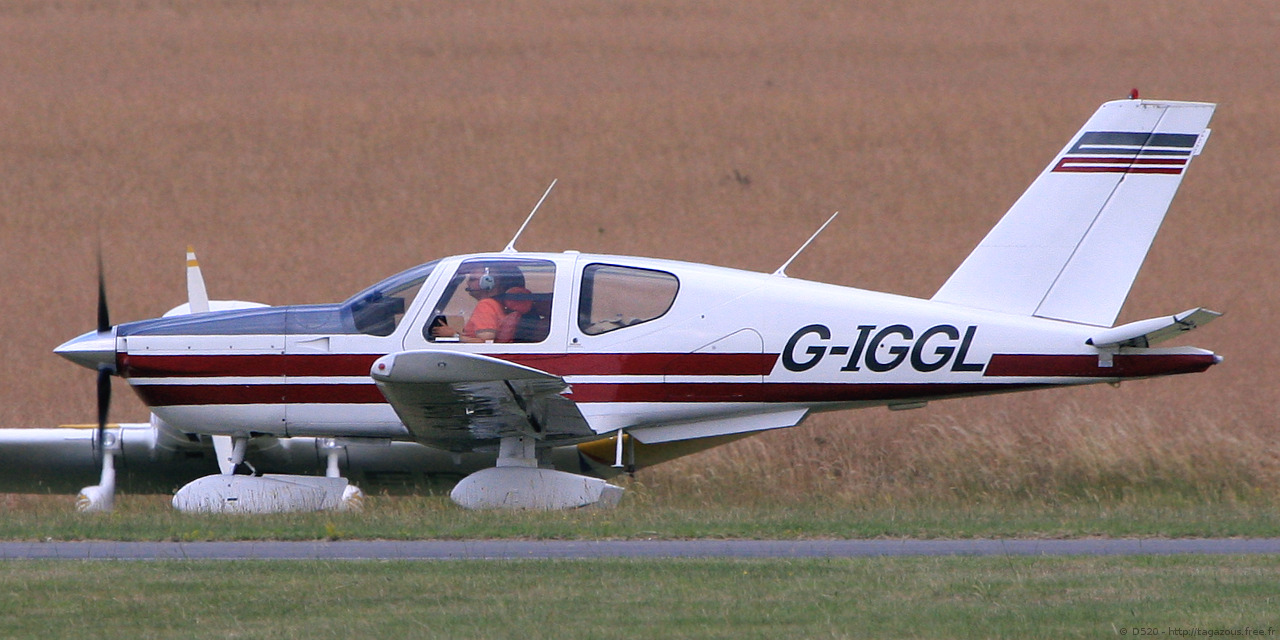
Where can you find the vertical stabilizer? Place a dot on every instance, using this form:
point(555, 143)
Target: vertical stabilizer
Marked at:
point(1071, 246)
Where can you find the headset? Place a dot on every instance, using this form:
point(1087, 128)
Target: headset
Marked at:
point(486, 282)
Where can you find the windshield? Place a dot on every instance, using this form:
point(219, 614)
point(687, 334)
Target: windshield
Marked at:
point(378, 310)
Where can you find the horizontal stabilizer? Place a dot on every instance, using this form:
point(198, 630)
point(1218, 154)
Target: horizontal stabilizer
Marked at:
point(1070, 247)
point(1145, 333)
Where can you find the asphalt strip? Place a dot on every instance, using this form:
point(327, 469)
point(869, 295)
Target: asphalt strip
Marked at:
point(581, 549)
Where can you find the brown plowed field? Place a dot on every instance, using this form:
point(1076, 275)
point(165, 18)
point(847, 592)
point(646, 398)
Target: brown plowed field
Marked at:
point(310, 148)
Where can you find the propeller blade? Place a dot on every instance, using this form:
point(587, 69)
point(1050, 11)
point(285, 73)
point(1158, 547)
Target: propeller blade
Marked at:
point(104, 317)
point(104, 373)
point(104, 409)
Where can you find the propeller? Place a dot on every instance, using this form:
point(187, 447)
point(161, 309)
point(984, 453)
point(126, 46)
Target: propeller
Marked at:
point(104, 373)
point(101, 497)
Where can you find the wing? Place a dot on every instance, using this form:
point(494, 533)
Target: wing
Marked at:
point(463, 401)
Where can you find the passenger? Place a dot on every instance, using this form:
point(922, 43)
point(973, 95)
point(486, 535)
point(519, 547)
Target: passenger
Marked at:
point(535, 324)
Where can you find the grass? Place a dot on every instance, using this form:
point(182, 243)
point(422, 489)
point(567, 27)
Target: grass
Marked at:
point(642, 517)
point(877, 597)
point(897, 475)
point(977, 450)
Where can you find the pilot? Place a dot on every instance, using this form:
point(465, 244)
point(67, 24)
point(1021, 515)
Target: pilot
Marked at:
point(516, 302)
point(483, 324)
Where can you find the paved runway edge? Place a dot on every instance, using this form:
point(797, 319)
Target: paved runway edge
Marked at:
point(583, 549)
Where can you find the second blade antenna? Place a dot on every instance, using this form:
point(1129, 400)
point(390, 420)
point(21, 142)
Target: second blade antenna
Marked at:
point(782, 271)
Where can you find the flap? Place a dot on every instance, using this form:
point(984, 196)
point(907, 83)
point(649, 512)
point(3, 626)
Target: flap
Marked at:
point(464, 401)
point(1145, 333)
point(726, 425)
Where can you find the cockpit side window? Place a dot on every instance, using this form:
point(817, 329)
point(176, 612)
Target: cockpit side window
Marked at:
point(378, 310)
point(495, 300)
point(614, 297)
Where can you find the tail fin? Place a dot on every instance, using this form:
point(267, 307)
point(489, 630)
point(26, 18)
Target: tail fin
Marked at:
point(1071, 246)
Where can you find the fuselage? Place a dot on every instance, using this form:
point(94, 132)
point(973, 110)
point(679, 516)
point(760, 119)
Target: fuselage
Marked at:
point(670, 349)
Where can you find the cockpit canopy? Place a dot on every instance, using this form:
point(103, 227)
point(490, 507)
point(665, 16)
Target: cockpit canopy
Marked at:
point(610, 297)
point(374, 311)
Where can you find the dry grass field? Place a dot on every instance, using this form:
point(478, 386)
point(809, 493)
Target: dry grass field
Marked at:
point(310, 148)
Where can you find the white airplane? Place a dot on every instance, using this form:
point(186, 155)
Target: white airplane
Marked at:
point(537, 376)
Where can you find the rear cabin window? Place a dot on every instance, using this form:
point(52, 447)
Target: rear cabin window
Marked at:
point(614, 297)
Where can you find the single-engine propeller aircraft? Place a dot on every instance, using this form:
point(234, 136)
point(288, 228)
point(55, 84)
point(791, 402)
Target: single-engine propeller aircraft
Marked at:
point(537, 376)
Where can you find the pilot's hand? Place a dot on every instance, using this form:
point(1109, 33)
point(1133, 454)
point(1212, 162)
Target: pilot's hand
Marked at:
point(443, 331)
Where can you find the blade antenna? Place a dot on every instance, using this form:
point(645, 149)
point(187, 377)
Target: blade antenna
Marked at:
point(782, 271)
point(511, 246)
point(197, 294)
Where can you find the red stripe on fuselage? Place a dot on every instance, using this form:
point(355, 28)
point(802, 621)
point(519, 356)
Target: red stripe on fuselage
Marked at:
point(252, 365)
point(167, 395)
point(1089, 366)
point(349, 365)
point(591, 393)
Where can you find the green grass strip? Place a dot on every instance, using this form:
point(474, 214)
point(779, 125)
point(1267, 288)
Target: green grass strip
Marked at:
point(415, 518)
point(874, 597)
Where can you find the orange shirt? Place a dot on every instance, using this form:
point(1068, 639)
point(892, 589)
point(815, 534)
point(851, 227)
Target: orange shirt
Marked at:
point(487, 316)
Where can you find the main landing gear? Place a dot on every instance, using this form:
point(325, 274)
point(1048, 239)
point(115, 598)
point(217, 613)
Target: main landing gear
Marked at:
point(227, 492)
point(518, 483)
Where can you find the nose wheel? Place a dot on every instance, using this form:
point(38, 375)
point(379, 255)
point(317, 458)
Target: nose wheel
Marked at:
point(101, 497)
